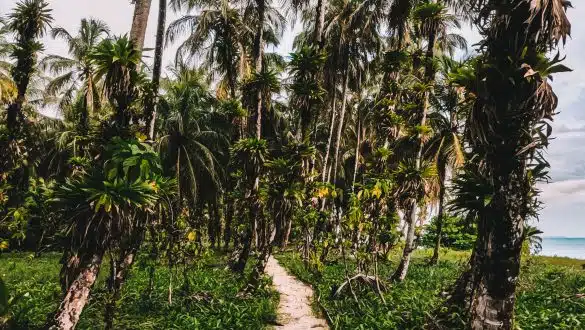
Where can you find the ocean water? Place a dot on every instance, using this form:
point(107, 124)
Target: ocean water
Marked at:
point(563, 247)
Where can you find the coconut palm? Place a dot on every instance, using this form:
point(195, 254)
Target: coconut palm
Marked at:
point(192, 148)
point(29, 22)
point(75, 74)
point(445, 146)
point(506, 130)
point(218, 35)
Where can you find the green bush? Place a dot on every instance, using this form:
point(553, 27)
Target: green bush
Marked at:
point(456, 233)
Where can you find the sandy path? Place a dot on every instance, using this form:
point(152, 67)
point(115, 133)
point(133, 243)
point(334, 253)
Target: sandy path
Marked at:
point(294, 309)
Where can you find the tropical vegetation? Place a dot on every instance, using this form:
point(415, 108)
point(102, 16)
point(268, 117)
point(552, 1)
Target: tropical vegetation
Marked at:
point(167, 190)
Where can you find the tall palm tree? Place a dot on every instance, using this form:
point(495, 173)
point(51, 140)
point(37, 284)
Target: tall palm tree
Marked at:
point(506, 130)
point(75, 74)
point(140, 22)
point(191, 145)
point(29, 22)
point(217, 33)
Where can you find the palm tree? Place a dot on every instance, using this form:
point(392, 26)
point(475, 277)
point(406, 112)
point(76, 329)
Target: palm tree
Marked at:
point(116, 61)
point(106, 206)
point(75, 74)
point(29, 21)
point(506, 130)
point(139, 22)
point(192, 146)
point(445, 146)
point(152, 97)
point(217, 34)
point(306, 89)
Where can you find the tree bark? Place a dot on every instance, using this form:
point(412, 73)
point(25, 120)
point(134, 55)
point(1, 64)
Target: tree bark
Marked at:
point(330, 139)
point(140, 22)
point(319, 23)
point(402, 270)
point(157, 68)
point(498, 261)
point(340, 126)
point(77, 295)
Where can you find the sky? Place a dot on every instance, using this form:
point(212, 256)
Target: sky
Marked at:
point(564, 197)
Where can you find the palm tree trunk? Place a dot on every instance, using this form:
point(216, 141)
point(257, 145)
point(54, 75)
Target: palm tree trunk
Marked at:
point(440, 216)
point(157, 68)
point(340, 126)
point(497, 263)
point(140, 22)
point(320, 23)
point(402, 270)
point(258, 54)
point(330, 138)
point(77, 295)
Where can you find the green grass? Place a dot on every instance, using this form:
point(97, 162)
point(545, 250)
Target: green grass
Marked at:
point(209, 301)
point(546, 294)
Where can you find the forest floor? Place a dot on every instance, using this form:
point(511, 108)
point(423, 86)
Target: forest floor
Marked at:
point(294, 308)
point(549, 294)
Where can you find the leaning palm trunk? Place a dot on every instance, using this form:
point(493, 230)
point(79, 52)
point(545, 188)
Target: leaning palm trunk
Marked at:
point(77, 294)
point(139, 22)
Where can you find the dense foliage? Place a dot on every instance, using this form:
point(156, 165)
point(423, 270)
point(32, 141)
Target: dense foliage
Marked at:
point(345, 147)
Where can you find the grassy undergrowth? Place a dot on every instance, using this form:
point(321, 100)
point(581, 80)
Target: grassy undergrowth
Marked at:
point(208, 301)
point(546, 294)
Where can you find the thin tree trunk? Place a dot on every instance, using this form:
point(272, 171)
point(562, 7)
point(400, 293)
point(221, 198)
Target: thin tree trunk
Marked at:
point(258, 54)
point(330, 138)
point(77, 295)
point(140, 22)
point(402, 270)
point(340, 126)
point(357, 154)
point(440, 216)
point(157, 68)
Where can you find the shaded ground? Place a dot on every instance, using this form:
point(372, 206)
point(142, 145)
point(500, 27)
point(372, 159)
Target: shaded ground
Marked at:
point(294, 309)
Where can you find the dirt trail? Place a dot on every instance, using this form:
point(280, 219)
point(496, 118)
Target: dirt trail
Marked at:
point(294, 309)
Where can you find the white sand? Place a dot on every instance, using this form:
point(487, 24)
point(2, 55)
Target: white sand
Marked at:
point(294, 309)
